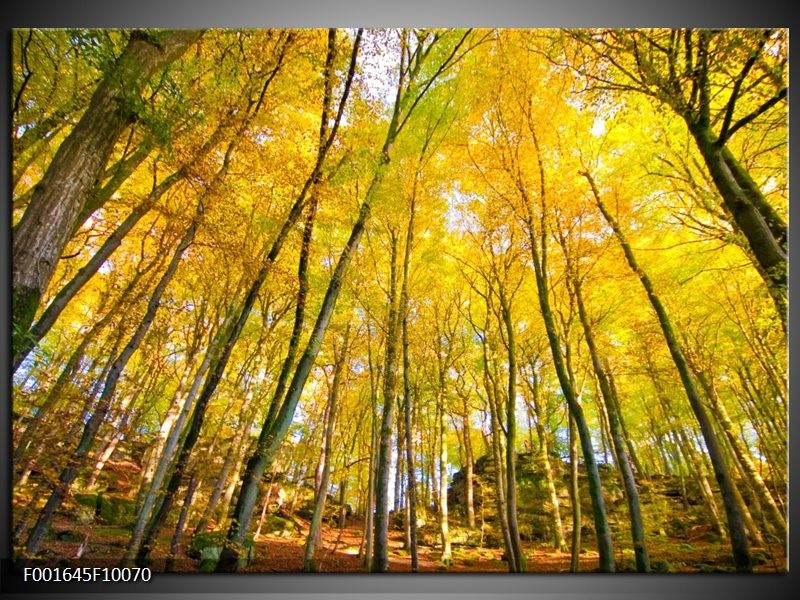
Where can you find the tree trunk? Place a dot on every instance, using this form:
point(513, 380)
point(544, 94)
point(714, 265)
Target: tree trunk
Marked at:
point(381, 548)
point(615, 430)
point(92, 425)
point(499, 462)
point(369, 525)
point(754, 217)
point(559, 542)
point(739, 542)
point(604, 543)
point(410, 474)
point(194, 483)
point(469, 470)
point(511, 434)
point(538, 249)
point(748, 468)
point(44, 229)
point(85, 273)
point(153, 495)
point(57, 393)
point(575, 497)
point(447, 553)
point(309, 563)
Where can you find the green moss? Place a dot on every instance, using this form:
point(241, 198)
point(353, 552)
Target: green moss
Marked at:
point(117, 510)
point(207, 547)
point(24, 302)
point(207, 539)
point(279, 526)
point(662, 566)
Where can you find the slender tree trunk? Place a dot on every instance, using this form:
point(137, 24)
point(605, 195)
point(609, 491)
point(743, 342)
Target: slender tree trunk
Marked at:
point(738, 536)
point(559, 541)
point(499, 462)
point(58, 392)
point(70, 471)
point(575, 496)
point(410, 474)
point(369, 524)
point(511, 434)
point(640, 470)
point(469, 470)
point(194, 483)
point(748, 468)
point(447, 552)
point(145, 532)
point(280, 415)
point(231, 336)
point(592, 472)
point(538, 249)
point(153, 495)
point(399, 501)
point(381, 546)
point(615, 429)
point(267, 498)
point(309, 563)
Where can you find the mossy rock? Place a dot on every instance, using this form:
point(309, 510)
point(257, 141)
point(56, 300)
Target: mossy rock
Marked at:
point(207, 539)
point(662, 566)
point(68, 536)
point(116, 510)
point(87, 508)
point(87, 500)
point(207, 547)
point(277, 525)
point(209, 557)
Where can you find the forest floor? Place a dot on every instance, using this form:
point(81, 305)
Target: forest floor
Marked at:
point(339, 553)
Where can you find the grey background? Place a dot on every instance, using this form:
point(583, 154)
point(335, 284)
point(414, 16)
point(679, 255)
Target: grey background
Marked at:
point(381, 13)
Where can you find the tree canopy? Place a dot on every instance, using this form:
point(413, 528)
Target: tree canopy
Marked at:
point(358, 266)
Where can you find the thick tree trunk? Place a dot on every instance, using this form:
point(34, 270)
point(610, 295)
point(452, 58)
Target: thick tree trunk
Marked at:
point(44, 229)
point(753, 216)
point(85, 273)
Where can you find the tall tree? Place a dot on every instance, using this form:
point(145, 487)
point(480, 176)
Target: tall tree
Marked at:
point(719, 82)
point(739, 542)
point(50, 218)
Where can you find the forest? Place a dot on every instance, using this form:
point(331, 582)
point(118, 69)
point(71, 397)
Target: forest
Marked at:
point(402, 300)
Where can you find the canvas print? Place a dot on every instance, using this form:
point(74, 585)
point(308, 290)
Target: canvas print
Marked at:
point(406, 300)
